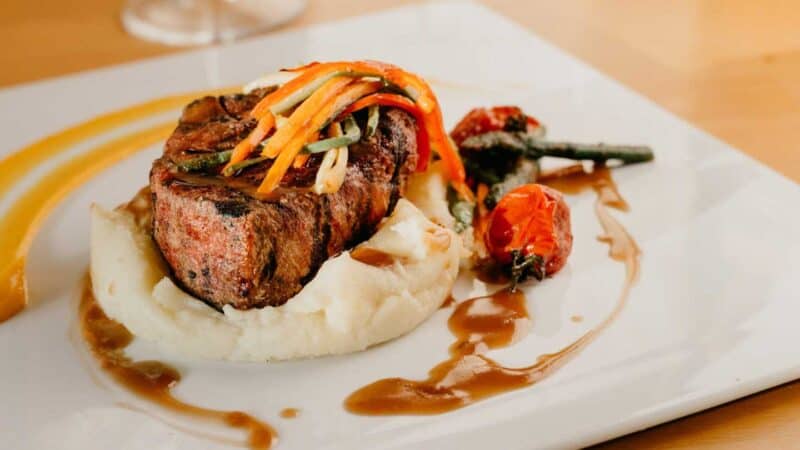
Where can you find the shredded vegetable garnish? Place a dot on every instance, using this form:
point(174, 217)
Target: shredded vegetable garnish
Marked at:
point(334, 165)
point(321, 93)
point(324, 116)
point(373, 116)
point(301, 117)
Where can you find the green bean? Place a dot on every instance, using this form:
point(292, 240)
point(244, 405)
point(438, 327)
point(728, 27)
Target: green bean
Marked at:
point(351, 136)
point(531, 146)
point(205, 162)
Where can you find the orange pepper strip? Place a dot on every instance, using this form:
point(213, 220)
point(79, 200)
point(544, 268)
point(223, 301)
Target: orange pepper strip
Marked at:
point(425, 131)
point(435, 127)
point(398, 101)
point(301, 116)
point(350, 94)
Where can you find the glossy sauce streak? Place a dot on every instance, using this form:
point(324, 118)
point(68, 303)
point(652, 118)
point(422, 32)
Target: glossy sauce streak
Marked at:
point(238, 184)
point(436, 238)
point(23, 218)
point(153, 380)
point(448, 302)
point(497, 321)
point(372, 257)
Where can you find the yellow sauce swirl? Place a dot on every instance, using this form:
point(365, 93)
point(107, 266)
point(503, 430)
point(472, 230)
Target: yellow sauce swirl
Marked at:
point(22, 219)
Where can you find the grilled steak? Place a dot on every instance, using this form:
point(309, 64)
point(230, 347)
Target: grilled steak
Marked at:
point(228, 247)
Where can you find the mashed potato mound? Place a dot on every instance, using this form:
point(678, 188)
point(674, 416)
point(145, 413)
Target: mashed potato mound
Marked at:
point(347, 307)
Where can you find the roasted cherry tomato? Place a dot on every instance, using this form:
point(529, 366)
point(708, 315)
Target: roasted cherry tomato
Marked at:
point(533, 219)
point(484, 120)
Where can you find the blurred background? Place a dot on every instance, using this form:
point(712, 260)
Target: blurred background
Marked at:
point(729, 67)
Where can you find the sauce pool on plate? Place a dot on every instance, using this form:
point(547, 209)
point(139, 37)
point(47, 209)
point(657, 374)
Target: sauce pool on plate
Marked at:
point(496, 321)
point(153, 380)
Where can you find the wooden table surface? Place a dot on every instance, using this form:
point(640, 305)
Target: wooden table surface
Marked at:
point(731, 67)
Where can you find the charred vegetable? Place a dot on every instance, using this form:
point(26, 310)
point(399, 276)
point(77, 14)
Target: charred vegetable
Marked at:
point(484, 120)
point(532, 146)
point(461, 209)
point(525, 171)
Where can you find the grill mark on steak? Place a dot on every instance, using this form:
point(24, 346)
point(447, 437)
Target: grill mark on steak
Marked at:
point(398, 164)
point(232, 208)
point(248, 252)
point(320, 238)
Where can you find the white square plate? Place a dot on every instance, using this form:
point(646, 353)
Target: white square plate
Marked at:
point(712, 318)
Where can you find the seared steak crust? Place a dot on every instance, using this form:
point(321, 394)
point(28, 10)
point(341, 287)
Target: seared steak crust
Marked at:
point(227, 247)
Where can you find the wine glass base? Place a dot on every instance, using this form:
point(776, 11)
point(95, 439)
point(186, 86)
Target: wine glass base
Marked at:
point(194, 22)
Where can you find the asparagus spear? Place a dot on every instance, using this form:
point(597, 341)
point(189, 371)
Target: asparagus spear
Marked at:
point(205, 162)
point(241, 165)
point(526, 171)
point(533, 147)
point(461, 209)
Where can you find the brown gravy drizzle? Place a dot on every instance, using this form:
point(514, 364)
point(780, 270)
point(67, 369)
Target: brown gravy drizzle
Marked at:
point(153, 380)
point(436, 238)
point(448, 302)
point(496, 321)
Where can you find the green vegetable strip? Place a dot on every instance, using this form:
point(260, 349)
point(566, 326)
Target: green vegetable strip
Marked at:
point(205, 162)
point(351, 136)
point(461, 209)
point(241, 165)
point(595, 152)
point(533, 147)
point(303, 93)
point(526, 171)
point(373, 114)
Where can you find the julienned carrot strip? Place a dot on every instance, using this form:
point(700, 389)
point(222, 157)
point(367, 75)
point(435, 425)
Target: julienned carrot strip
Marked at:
point(301, 159)
point(445, 147)
point(429, 120)
point(246, 145)
point(303, 115)
point(310, 74)
point(328, 112)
